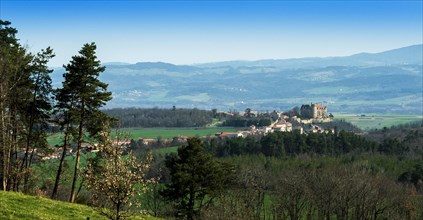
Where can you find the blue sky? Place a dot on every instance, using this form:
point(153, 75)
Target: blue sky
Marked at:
point(186, 32)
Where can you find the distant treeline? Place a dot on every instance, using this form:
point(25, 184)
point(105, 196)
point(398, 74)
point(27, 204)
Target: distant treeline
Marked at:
point(239, 121)
point(157, 117)
point(280, 144)
point(409, 136)
point(340, 125)
point(291, 143)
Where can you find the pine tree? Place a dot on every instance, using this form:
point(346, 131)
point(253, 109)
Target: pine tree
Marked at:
point(196, 178)
point(39, 106)
point(82, 96)
point(15, 70)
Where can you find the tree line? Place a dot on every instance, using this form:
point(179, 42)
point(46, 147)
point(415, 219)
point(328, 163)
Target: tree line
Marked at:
point(158, 117)
point(281, 144)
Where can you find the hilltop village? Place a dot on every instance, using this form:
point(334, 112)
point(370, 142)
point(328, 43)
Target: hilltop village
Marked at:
point(303, 121)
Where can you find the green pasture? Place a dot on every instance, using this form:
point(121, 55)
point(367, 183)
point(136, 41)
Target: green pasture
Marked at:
point(174, 132)
point(372, 121)
point(57, 138)
point(20, 206)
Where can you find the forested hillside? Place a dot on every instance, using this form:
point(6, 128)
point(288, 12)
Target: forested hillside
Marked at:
point(157, 117)
point(405, 136)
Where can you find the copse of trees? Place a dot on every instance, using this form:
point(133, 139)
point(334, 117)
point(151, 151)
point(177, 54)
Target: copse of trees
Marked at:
point(26, 106)
point(340, 125)
point(25, 92)
point(248, 119)
point(157, 117)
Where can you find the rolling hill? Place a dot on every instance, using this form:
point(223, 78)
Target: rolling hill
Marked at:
point(386, 82)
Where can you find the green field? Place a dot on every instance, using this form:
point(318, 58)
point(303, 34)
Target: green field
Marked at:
point(170, 132)
point(372, 121)
point(57, 138)
point(20, 206)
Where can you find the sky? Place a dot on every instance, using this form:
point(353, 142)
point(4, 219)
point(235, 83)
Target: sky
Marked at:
point(190, 32)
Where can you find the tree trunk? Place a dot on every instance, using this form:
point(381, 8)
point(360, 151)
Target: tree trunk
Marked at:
point(78, 152)
point(62, 159)
point(30, 127)
point(13, 147)
point(190, 214)
point(8, 155)
point(118, 210)
point(4, 145)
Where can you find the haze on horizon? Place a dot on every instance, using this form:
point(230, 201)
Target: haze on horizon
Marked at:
point(186, 32)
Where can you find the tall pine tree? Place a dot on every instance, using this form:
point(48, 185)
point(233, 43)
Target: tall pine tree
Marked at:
point(83, 94)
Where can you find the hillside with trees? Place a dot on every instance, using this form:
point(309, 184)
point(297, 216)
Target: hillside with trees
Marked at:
point(330, 174)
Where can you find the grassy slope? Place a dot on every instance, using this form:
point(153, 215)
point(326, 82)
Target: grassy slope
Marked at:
point(19, 206)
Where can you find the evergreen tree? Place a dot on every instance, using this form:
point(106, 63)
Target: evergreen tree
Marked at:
point(82, 95)
point(196, 178)
point(36, 109)
point(15, 90)
point(39, 107)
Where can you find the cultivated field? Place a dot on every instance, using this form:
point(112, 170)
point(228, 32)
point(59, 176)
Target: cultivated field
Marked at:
point(372, 121)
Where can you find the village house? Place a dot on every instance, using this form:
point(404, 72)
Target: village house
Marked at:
point(231, 134)
point(283, 126)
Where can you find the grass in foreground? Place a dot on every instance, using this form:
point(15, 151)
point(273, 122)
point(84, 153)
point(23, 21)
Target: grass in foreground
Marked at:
point(19, 206)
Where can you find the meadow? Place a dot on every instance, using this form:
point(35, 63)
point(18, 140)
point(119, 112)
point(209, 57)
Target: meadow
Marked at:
point(377, 121)
point(136, 133)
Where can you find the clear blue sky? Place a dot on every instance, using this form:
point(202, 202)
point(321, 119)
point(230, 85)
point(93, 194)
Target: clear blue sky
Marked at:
point(186, 32)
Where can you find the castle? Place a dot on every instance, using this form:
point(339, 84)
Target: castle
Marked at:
point(314, 111)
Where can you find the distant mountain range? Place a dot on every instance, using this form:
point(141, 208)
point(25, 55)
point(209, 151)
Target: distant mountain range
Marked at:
point(405, 55)
point(387, 82)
